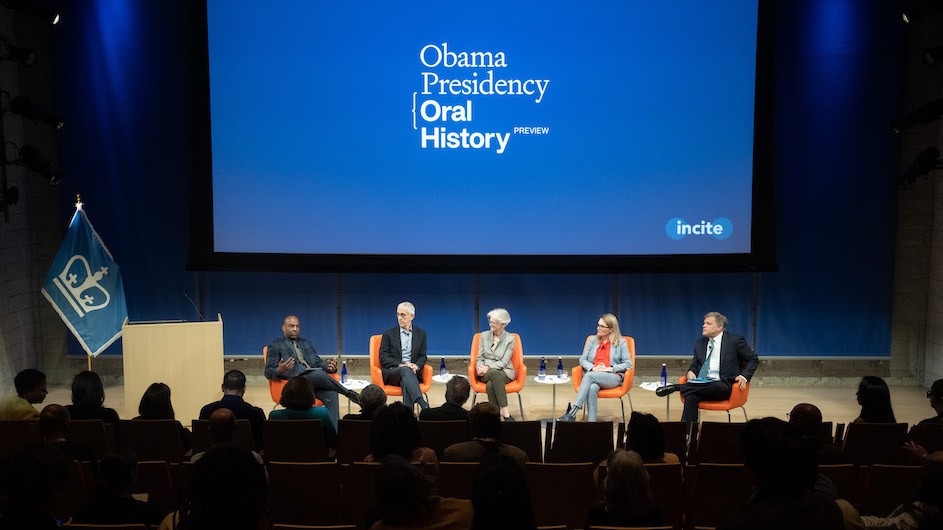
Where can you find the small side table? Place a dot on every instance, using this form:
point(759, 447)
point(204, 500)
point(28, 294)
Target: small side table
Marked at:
point(552, 380)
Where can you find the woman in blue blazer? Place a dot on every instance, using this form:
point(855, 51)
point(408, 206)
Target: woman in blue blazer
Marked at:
point(604, 362)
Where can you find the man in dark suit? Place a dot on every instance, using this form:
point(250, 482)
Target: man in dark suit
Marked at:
point(292, 355)
point(456, 394)
point(721, 359)
point(234, 388)
point(403, 355)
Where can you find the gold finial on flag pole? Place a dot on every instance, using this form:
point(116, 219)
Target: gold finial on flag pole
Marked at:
point(78, 201)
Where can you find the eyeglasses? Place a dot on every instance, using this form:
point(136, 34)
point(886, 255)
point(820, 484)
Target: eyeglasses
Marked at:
point(495, 323)
point(602, 326)
point(402, 315)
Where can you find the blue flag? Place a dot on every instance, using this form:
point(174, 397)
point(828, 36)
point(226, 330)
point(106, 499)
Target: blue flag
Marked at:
point(84, 286)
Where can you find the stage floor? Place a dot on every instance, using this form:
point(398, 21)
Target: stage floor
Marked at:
point(838, 405)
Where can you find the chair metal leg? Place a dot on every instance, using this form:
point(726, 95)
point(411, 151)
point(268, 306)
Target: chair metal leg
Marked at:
point(744, 409)
point(622, 404)
point(521, 405)
point(474, 397)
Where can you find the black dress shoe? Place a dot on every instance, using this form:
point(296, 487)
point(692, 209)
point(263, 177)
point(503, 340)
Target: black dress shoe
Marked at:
point(663, 391)
point(354, 396)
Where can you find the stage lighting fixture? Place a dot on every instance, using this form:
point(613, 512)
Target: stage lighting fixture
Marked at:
point(921, 9)
point(33, 8)
point(10, 196)
point(926, 161)
point(31, 111)
point(31, 158)
point(922, 116)
point(23, 56)
point(933, 56)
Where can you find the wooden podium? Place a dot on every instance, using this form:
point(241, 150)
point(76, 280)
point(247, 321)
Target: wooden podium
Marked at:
point(187, 356)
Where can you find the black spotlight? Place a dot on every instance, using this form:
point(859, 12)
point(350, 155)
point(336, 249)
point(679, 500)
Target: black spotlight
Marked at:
point(33, 8)
point(933, 56)
point(926, 161)
point(922, 116)
point(31, 158)
point(31, 111)
point(10, 196)
point(17, 54)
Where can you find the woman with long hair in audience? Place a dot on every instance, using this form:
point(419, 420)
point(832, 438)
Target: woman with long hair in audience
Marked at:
point(395, 431)
point(875, 400)
point(627, 494)
point(156, 405)
point(604, 361)
point(88, 399)
point(644, 436)
point(406, 498)
point(298, 400)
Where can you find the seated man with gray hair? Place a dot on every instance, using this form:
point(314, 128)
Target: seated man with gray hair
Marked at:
point(456, 394)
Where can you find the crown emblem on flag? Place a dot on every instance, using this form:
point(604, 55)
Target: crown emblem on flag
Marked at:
point(81, 286)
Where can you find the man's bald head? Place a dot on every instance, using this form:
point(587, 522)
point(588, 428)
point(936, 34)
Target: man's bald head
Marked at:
point(223, 425)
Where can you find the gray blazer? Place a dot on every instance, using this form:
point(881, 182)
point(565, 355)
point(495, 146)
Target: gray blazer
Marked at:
point(498, 357)
point(619, 358)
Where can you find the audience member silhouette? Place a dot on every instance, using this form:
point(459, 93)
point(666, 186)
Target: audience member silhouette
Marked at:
point(156, 405)
point(627, 495)
point(935, 395)
point(372, 397)
point(644, 436)
point(54, 428)
point(88, 399)
point(457, 390)
point(33, 481)
point(875, 400)
point(30, 387)
point(298, 400)
point(234, 388)
point(784, 472)
point(227, 490)
point(113, 503)
point(501, 496)
point(926, 510)
point(395, 431)
point(406, 498)
point(223, 429)
point(484, 425)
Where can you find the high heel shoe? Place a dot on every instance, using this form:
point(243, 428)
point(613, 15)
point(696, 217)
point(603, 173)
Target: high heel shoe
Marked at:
point(570, 414)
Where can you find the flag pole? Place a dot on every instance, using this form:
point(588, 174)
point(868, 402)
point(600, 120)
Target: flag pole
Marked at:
point(78, 206)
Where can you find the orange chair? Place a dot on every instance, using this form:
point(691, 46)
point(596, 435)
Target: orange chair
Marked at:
point(738, 398)
point(517, 361)
point(275, 387)
point(617, 392)
point(376, 372)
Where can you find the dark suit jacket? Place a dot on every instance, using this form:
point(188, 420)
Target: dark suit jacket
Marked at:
point(281, 348)
point(391, 351)
point(736, 357)
point(448, 411)
point(242, 411)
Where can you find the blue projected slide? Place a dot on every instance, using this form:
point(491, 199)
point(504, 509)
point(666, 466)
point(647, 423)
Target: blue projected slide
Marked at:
point(464, 128)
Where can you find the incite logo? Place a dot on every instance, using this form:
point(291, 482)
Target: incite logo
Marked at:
point(677, 228)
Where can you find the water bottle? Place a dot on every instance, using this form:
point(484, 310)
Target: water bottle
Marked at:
point(560, 367)
point(664, 374)
point(344, 372)
point(442, 370)
point(543, 368)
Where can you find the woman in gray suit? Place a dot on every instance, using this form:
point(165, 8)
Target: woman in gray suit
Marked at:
point(494, 359)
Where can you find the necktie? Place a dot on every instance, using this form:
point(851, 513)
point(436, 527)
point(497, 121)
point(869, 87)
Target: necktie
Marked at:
point(706, 367)
point(300, 356)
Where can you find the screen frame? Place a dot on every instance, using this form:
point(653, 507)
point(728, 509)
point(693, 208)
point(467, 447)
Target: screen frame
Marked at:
point(203, 257)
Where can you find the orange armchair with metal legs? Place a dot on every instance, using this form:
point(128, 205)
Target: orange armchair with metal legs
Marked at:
point(275, 387)
point(520, 371)
point(376, 372)
point(737, 399)
point(617, 392)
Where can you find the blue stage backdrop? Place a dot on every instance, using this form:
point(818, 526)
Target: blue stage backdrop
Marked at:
point(125, 72)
